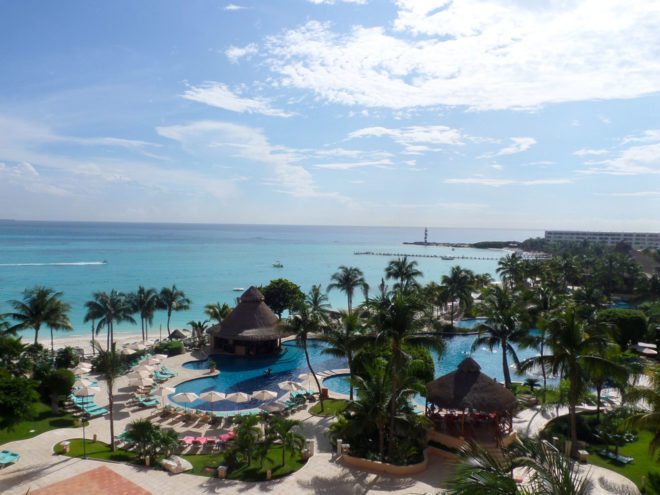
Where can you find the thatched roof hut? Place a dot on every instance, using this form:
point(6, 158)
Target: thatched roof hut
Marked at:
point(251, 327)
point(468, 388)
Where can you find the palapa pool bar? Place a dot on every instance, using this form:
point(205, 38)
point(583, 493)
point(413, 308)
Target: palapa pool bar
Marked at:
point(251, 329)
point(466, 403)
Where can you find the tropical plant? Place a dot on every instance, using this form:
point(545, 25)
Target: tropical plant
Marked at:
point(404, 272)
point(247, 436)
point(40, 306)
point(649, 419)
point(502, 326)
point(144, 302)
point(58, 383)
point(577, 347)
point(547, 471)
point(283, 431)
point(458, 287)
point(217, 311)
point(149, 439)
point(531, 383)
point(301, 324)
point(396, 319)
point(511, 269)
point(345, 338)
point(18, 396)
point(66, 357)
point(347, 279)
point(318, 303)
point(108, 309)
point(172, 299)
point(111, 363)
point(281, 295)
point(198, 328)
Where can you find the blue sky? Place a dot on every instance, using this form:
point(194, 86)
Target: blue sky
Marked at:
point(499, 113)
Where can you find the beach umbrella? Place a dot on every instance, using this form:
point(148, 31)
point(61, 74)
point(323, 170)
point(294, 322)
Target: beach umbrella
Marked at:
point(238, 397)
point(141, 382)
point(264, 395)
point(86, 391)
point(138, 374)
point(163, 391)
point(291, 386)
point(186, 397)
point(272, 407)
point(308, 379)
point(138, 346)
point(127, 351)
point(160, 356)
point(177, 334)
point(81, 370)
point(144, 367)
point(82, 382)
point(212, 396)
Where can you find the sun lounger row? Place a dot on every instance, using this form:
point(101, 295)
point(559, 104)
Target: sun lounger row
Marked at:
point(7, 458)
point(189, 439)
point(88, 406)
point(149, 401)
point(619, 458)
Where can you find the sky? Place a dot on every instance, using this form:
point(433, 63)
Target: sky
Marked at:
point(470, 113)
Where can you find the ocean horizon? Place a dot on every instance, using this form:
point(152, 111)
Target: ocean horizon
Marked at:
point(209, 261)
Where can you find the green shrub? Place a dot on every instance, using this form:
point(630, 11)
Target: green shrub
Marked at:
point(424, 369)
point(66, 358)
point(173, 348)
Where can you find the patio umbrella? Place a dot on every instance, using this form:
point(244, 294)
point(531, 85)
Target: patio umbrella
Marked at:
point(81, 370)
point(128, 351)
point(290, 386)
point(272, 407)
point(238, 397)
point(212, 396)
point(138, 346)
point(308, 379)
point(186, 397)
point(86, 391)
point(137, 374)
point(82, 382)
point(163, 391)
point(144, 367)
point(264, 395)
point(160, 356)
point(141, 382)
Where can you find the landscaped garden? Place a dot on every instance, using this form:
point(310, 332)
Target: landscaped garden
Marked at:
point(44, 420)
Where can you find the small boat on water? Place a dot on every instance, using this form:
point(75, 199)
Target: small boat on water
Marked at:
point(277, 264)
point(447, 257)
point(238, 289)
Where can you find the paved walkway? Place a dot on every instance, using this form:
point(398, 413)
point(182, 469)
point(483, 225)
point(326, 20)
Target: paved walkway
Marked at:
point(323, 474)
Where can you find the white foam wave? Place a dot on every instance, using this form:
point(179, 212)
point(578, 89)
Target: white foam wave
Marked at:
point(72, 263)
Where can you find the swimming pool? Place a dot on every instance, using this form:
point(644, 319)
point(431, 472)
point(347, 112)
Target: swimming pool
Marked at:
point(242, 374)
point(469, 322)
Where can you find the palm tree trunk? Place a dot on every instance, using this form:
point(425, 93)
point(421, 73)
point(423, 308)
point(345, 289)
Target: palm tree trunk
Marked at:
point(36, 334)
point(599, 389)
point(349, 296)
point(543, 370)
point(395, 377)
point(169, 315)
point(350, 370)
point(318, 384)
point(52, 344)
point(381, 441)
point(111, 402)
point(571, 412)
point(451, 313)
point(107, 337)
point(93, 344)
point(505, 366)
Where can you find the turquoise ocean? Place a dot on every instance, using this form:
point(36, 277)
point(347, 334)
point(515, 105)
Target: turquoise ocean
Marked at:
point(207, 261)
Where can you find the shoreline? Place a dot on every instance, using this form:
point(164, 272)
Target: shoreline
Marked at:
point(85, 341)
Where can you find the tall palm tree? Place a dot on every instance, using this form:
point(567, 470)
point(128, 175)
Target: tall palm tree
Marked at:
point(172, 299)
point(649, 419)
point(318, 303)
point(511, 269)
point(247, 436)
point(198, 328)
point(345, 338)
point(110, 364)
point(347, 279)
point(144, 302)
point(458, 287)
point(59, 320)
point(577, 347)
point(502, 327)
point(108, 309)
point(396, 318)
point(217, 311)
point(40, 306)
point(404, 272)
point(302, 323)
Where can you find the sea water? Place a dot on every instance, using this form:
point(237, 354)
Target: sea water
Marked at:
point(208, 261)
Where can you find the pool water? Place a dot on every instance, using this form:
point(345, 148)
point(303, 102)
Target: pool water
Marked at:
point(469, 323)
point(242, 374)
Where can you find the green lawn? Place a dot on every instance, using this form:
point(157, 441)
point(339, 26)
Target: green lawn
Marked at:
point(100, 450)
point(642, 464)
point(331, 407)
point(44, 421)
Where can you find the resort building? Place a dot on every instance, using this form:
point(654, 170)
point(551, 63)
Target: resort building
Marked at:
point(637, 240)
point(251, 329)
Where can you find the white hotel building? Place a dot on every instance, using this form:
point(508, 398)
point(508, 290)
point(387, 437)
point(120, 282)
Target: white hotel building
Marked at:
point(638, 240)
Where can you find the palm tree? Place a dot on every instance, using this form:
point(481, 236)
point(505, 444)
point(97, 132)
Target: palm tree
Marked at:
point(110, 364)
point(649, 419)
point(511, 269)
point(59, 320)
point(502, 326)
point(345, 338)
point(347, 279)
point(108, 309)
point(318, 303)
point(144, 302)
point(404, 272)
point(301, 324)
point(217, 311)
point(458, 287)
point(40, 306)
point(198, 328)
point(247, 436)
point(172, 299)
point(576, 348)
point(397, 320)
point(282, 430)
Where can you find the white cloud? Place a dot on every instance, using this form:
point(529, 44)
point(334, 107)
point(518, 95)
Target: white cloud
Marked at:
point(484, 54)
point(483, 181)
point(415, 138)
point(586, 151)
point(649, 136)
point(518, 145)
point(348, 166)
point(636, 160)
point(332, 2)
point(219, 95)
point(497, 166)
point(640, 194)
point(234, 53)
point(234, 7)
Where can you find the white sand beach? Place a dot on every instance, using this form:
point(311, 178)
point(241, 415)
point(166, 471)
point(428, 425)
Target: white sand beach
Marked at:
point(85, 341)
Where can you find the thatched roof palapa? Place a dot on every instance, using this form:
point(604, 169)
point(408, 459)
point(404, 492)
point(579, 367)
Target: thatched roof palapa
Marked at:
point(252, 320)
point(467, 388)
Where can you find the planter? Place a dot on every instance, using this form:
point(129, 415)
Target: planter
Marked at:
point(384, 467)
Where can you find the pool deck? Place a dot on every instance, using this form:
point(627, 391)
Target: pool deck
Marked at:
point(324, 473)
